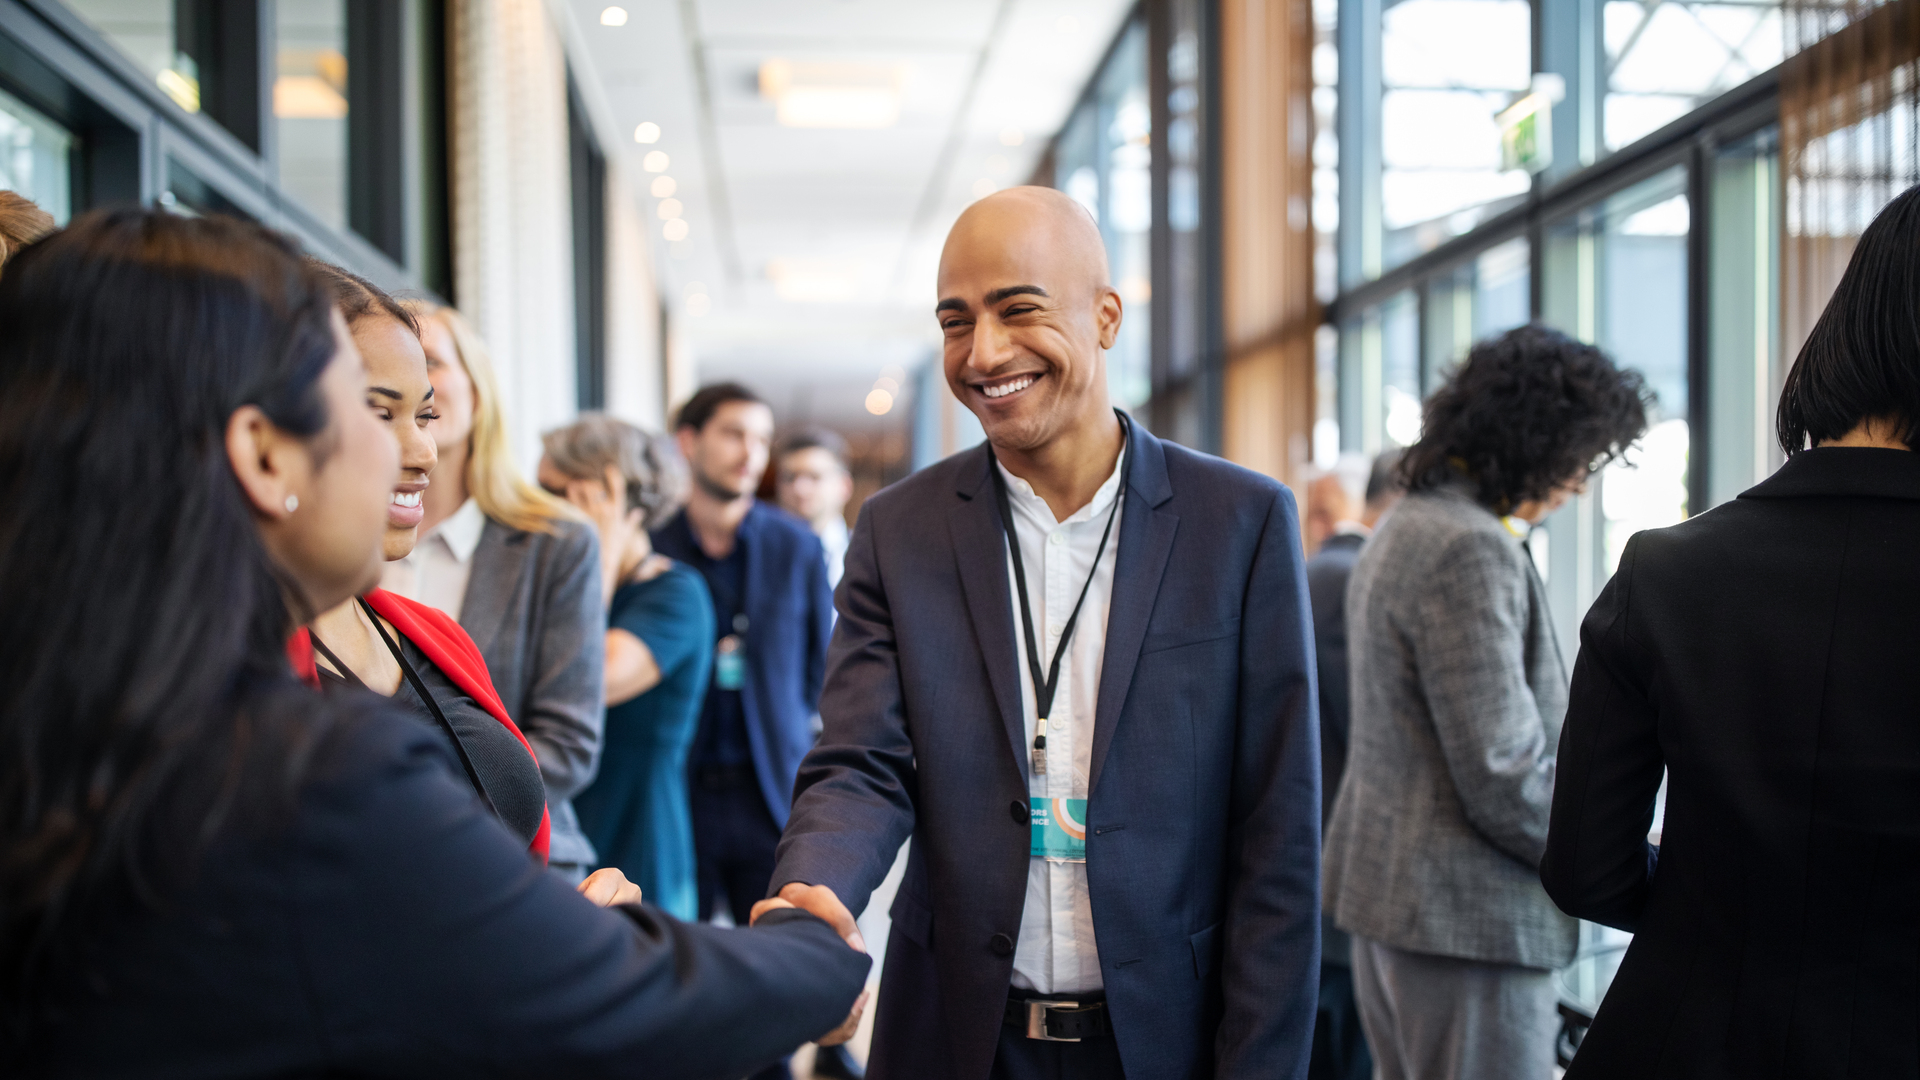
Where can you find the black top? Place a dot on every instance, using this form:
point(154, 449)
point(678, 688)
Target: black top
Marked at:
point(722, 737)
point(508, 772)
point(390, 928)
point(1763, 654)
point(1327, 575)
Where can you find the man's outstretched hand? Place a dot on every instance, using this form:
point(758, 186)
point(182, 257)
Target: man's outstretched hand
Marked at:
point(819, 901)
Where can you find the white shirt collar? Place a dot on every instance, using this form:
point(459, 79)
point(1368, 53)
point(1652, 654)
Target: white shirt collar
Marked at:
point(1102, 498)
point(461, 532)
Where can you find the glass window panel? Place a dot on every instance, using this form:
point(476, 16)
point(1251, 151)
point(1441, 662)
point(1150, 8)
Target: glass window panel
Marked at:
point(1744, 311)
point(36, 158)
point(1400, 371)
point(1666, 58)
point(1103, 160)
point(144, 30)
point(1616, 275)
point(1448, 66)
point(200, 53)
point(310, 104)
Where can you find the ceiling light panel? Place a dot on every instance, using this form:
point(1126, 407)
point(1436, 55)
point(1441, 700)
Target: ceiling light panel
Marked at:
point(962, 22)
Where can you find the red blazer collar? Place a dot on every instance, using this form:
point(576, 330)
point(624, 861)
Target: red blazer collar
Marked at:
point(434, 633)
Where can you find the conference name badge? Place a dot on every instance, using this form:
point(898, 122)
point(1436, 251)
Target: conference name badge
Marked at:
point(1059, 830)
point(730, 663)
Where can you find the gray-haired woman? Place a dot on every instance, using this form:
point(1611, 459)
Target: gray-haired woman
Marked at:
point(659, 652)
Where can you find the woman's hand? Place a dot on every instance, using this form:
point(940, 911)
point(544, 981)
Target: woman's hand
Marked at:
point(847, 1029)
point(607, 886)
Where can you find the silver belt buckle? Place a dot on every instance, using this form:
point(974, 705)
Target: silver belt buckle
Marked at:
point(1037, 1019)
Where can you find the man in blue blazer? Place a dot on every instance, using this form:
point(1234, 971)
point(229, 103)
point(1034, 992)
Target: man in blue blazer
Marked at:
point(1131, 887)
point(772, 614)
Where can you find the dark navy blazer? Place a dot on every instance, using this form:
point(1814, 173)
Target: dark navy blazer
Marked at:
point(391, 927)
point(1203, 839)
point(789, 617)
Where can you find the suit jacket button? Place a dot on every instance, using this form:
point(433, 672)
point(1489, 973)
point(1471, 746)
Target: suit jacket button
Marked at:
point(1001, 944)
point(1021, 814)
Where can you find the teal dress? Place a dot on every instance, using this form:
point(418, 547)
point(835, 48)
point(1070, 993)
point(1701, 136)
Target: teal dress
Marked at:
point(635, 811)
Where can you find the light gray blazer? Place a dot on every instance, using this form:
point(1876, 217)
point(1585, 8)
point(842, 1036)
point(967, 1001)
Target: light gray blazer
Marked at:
point(533, 606)
point(1458, 696)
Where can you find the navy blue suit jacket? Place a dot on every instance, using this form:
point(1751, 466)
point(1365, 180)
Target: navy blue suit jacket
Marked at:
point(789, 617)
point(1203, 838)
point(389, 926)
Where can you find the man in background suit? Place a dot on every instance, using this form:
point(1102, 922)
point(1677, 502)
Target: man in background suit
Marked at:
point(772, 611)
point(1351, 498)
point(1131, 888)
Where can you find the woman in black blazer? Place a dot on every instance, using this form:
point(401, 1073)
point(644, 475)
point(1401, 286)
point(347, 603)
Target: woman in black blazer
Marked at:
point(1763, 654)
point(205, 868)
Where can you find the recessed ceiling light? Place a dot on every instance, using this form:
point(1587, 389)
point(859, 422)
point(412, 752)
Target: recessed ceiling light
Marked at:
point(670, 209)
point(648, 132)
point(878, 402)
point(832, 95)
point(1012, 137)
point(614, 16)
point(674, 230)
point(655, 161)
point(809, 281)
point(663, 186)
point(698, 304)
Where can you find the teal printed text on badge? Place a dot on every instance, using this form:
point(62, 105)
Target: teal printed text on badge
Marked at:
point(1059, 830)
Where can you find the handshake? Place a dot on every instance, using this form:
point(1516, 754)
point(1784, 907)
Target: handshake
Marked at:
point(819, 901)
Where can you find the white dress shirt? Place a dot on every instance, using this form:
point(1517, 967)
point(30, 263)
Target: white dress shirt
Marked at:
point(1056, 953)
point(833, 537)
point(436, 573)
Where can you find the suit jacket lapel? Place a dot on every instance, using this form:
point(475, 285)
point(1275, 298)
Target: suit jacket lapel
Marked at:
point(1146, 541)
point(980, 548)
point(491, 584)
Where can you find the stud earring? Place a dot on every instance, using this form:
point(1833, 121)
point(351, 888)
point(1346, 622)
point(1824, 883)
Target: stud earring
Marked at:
point(293, 503)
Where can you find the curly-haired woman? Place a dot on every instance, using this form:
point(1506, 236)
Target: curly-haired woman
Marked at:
point(1458, 691)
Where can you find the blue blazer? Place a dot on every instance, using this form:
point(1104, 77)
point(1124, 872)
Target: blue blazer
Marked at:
point(1203, 838)
point(789, 617)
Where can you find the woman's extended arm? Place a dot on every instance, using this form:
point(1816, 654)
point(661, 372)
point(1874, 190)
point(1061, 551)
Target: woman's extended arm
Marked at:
point(434, 947)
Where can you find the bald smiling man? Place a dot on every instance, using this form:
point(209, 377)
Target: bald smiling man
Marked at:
point(1075, 665)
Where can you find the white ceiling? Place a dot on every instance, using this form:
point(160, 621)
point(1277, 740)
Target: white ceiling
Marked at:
point(856, 217)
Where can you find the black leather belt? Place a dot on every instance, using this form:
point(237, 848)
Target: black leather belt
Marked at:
point(1060, 1019)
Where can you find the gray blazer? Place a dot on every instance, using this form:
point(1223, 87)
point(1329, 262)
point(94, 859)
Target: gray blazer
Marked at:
point(1458, 694)
point(533, 606)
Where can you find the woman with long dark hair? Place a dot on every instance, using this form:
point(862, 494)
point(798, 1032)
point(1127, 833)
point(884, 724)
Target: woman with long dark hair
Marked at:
point(204, 866)
point(1761, 657)
point(1458, 688)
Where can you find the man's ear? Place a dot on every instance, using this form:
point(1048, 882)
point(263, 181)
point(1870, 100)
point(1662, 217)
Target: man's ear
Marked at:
point(685, 437)
point(270, 465)
point(1107, 310)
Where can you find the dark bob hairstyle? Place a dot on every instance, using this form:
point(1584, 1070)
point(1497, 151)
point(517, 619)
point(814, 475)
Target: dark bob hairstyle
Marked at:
point(1862, 360)
point(146, 702)
point(1527, 411)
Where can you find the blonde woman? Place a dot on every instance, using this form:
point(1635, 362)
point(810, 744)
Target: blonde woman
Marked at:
point(519, 570)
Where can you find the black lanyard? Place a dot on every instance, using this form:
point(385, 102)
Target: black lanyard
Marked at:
point(1046, 683)
point(420, 688)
